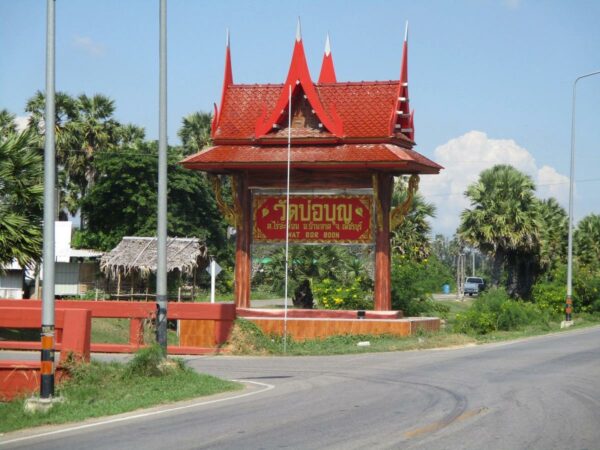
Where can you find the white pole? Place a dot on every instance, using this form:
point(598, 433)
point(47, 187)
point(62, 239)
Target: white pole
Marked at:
point(161, 229)
point(287, 218)
point(47, 335)
point(213, 276)
point(569, 301)
point(178, 300)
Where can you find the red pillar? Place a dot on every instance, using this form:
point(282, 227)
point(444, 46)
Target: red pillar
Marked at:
point(383, 290)
point(243, 237)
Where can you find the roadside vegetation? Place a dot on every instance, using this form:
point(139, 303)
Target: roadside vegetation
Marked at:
point(99, 389)
point(509, 236)
point(249, 339)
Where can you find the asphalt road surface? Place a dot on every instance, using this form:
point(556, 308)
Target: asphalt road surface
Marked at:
point(539, 393)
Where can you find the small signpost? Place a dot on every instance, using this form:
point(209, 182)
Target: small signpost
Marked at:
point(213, 269)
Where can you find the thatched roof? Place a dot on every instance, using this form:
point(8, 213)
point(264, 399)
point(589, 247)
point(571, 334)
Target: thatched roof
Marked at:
point(140, 253)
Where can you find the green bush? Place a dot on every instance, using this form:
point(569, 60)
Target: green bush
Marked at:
point(330, 294)
point(494, 310)
point(550, 292)
point(586, 287)
point(550, 296)
point(147, 362)
point(414, 282)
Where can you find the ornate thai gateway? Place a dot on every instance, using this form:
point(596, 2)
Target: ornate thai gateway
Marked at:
point(348, 140)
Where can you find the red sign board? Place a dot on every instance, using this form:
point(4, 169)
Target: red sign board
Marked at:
point(335, 219)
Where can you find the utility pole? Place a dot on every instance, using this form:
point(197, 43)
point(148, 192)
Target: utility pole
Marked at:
point(460, 275)
point(161, 262)
point(47, 335)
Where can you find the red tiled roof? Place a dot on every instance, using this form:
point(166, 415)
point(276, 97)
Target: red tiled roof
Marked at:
point(365, 109)
point(386, 156)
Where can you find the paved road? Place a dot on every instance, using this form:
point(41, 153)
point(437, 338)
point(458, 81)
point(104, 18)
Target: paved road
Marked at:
point(540, 393)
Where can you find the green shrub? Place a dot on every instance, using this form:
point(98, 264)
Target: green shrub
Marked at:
point(550, 292)
point(147, 362)
point(414, 282)
point(550, 296)
point(494, 310)
point(330, 294)
point(475, 322)
point(586, 287)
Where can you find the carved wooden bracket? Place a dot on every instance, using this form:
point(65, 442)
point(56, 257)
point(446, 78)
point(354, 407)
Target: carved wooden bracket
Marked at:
point(398, 214)
point(231, 213)
point(377, 201)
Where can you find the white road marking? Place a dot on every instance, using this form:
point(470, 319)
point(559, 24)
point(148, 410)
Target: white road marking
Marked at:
point(267, 387)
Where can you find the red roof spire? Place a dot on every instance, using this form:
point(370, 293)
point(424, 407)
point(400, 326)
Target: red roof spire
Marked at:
point(402, 116)
point(298, 78)
point(227, 81)
point(327, 71)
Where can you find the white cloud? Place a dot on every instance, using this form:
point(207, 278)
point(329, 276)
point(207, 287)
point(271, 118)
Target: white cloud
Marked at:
point(88, 45)
point(512, 4)
point(464, 158)
point(21, 122)
point(550, 183)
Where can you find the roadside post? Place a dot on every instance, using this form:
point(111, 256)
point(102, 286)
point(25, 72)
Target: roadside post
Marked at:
point(213, 269)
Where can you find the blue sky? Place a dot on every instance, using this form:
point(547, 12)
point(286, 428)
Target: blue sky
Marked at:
point(490, 80)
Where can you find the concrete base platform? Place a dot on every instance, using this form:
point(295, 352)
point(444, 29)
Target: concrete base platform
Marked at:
point(318, 328)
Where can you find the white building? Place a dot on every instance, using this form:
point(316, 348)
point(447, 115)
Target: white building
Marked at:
point(74, 271)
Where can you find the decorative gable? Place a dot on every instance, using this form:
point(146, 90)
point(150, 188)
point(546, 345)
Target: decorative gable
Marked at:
point(402, 119)
point(298, 80)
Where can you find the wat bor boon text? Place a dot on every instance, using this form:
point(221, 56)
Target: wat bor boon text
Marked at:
point(313, 219)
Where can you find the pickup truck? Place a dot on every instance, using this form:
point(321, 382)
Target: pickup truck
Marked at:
point(473, 285)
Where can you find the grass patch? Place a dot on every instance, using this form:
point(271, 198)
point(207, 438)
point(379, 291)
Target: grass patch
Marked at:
point(204, 296)
point(248, 339)
point(580, 321)
point(116, 331)
point(110, 331)
point(100, 389)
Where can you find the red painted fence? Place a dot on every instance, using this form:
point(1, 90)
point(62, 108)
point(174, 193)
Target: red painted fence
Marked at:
point(73, 326)
point(219, 316)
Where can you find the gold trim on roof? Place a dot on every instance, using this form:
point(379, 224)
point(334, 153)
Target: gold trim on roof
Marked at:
point(378, 207)
point(229, 212)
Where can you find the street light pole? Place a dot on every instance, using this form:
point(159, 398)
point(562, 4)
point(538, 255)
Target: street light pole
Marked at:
point(161, 260)
point(569, 302)
point(47, 335)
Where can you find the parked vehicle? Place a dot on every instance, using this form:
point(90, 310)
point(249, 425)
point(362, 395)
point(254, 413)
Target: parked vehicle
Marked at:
point(474, 285)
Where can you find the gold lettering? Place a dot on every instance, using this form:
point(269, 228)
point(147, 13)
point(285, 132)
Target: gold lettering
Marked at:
point(317, 213)
point(293, 212)
point(280, 205)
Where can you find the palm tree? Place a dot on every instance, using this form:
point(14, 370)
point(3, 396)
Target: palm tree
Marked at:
point(195, 132)
point(503, 223)
point(94, 130)
point(587, 240)
point(553, 234)
point(84, 126)
point(7, 123)
point(65, 113)
point(130, 135)
point(412, 237)
point(21, 192)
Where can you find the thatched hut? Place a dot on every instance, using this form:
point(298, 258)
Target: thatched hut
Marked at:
point(130, 265)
